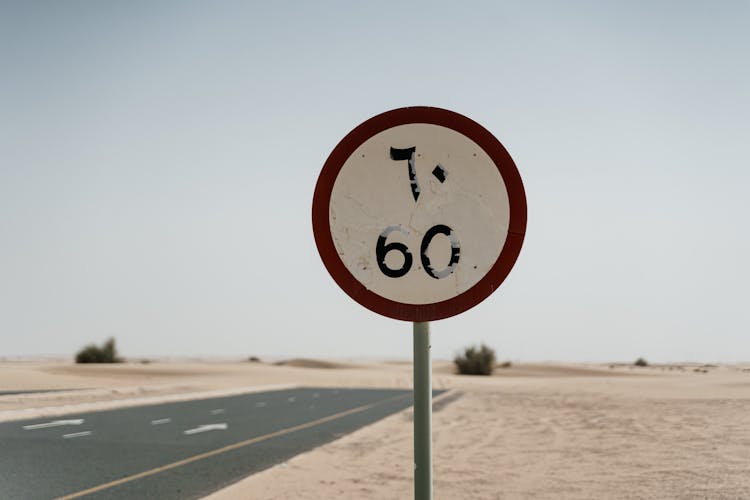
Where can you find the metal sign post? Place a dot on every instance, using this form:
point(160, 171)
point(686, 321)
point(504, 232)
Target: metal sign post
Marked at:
point(422, 413)
point(419, 214)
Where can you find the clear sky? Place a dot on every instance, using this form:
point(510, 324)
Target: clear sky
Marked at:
point(158, 159)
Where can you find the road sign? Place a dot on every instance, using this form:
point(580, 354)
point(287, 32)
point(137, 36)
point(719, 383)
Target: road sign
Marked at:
point(419, 214)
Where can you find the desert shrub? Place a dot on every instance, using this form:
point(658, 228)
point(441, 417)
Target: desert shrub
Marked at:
point(92, 353)
point(476, 361)
point(640, 362)
point(254, 359)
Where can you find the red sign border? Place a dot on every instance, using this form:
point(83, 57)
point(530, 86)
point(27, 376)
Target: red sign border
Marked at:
point(489, 282)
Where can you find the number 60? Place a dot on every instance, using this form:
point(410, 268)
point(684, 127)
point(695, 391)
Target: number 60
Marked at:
point(382, 249)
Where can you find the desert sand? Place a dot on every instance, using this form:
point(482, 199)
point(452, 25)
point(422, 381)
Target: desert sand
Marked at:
point(530, 431)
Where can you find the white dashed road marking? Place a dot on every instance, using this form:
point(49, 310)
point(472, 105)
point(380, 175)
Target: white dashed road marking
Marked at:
point(161, 421)
point(56, 423)
point(206, 428)
point(76, 434)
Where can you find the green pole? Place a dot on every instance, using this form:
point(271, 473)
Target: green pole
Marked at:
point(422, 413)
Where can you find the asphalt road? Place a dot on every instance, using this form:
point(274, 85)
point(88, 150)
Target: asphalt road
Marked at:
point(178, 450)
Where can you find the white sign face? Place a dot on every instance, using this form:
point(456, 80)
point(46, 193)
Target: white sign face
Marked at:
point(419, 213)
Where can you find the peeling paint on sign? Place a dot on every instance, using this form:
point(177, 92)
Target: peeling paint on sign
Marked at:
point(379, 213)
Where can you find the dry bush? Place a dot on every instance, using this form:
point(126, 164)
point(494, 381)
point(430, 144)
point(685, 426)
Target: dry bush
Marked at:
point(476, 361)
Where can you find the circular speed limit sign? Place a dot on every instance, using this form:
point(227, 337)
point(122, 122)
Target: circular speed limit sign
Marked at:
point(419, 214)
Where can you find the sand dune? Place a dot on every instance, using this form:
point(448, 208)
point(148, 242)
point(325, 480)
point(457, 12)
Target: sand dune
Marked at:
point(546, 370)
point(135, 370)
point(314, 363)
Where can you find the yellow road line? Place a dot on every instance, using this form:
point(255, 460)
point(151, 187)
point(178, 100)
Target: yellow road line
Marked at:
point(225, 449)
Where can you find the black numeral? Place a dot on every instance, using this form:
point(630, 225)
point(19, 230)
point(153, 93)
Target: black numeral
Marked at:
point(455, 251)
point(408, 154)
point(382, 249)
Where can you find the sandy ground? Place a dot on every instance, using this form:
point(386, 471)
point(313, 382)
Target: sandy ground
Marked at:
point(531, 431)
